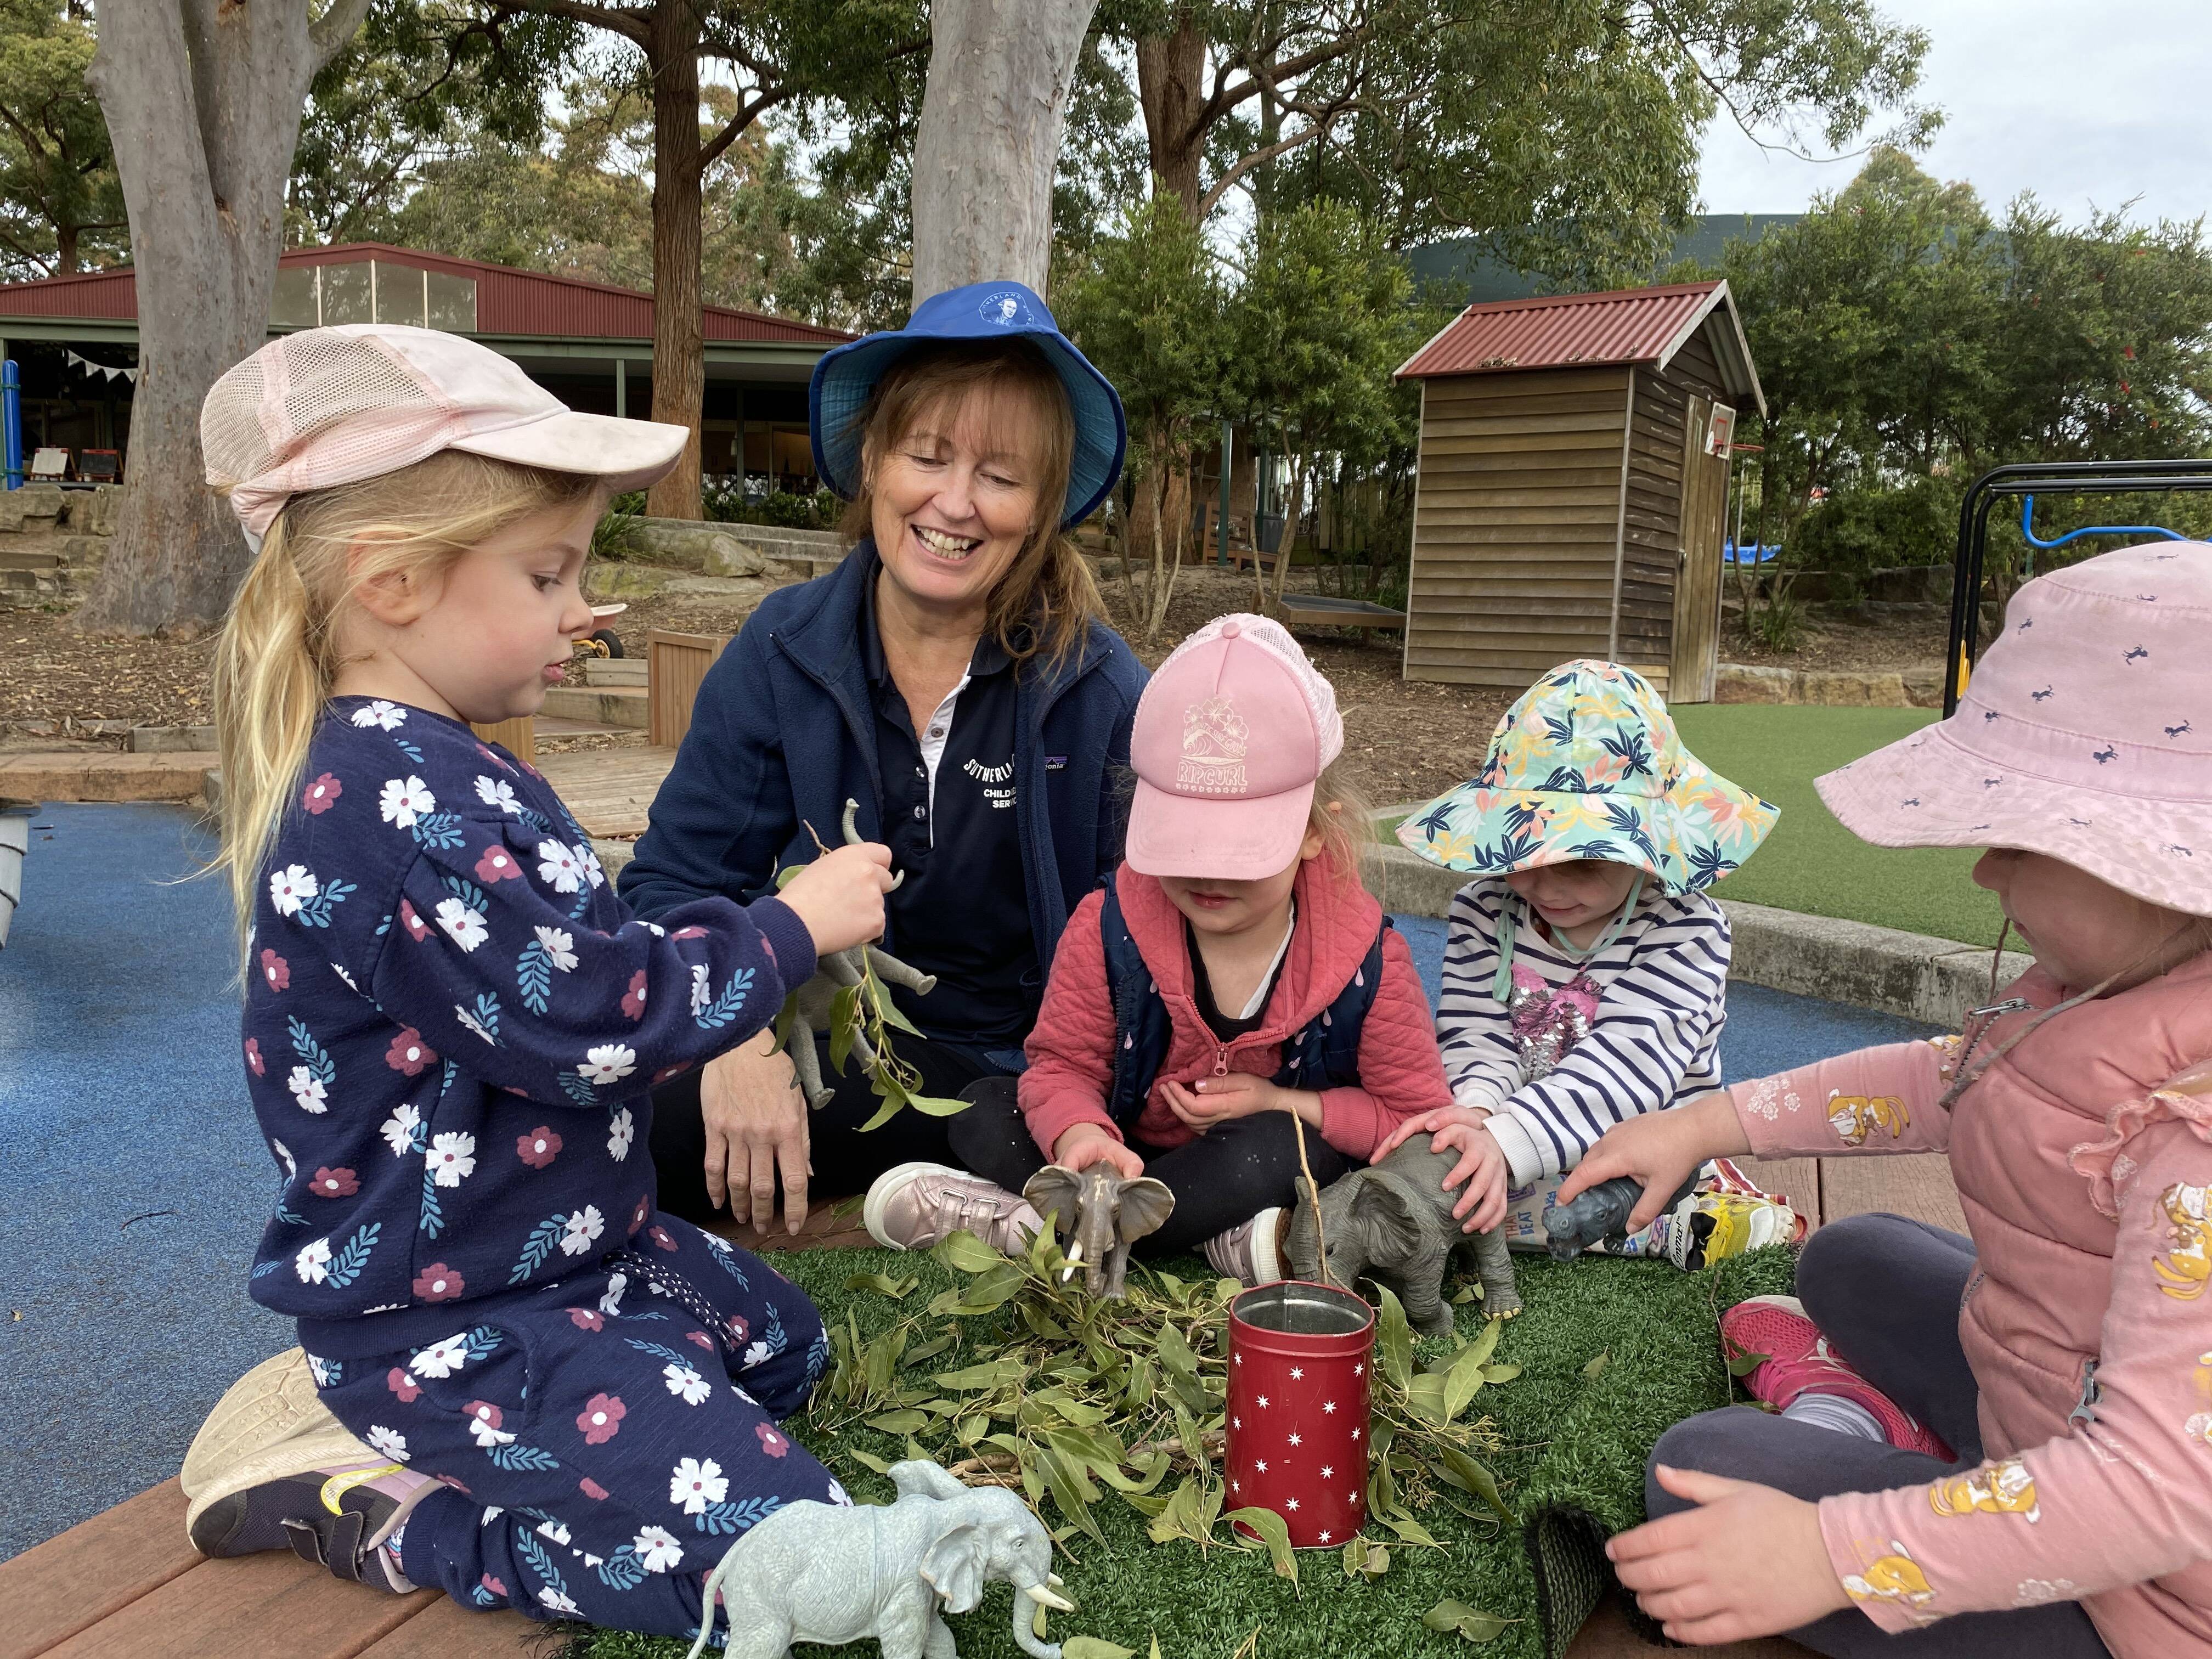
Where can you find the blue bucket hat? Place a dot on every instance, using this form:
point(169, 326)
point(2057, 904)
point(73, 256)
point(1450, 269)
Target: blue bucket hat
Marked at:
point(845, 377)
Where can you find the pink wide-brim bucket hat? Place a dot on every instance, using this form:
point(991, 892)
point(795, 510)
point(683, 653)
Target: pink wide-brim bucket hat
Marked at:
point(2085, 733)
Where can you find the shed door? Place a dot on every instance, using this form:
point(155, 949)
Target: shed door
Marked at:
point(1705, 523)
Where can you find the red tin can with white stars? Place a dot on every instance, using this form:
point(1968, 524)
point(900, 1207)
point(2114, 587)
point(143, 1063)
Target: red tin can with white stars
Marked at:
point(1299, 1358)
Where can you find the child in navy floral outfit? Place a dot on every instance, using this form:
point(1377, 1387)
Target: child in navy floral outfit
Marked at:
point(541, 1392)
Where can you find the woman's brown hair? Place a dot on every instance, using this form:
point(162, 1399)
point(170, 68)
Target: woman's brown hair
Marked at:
point(1044, 605)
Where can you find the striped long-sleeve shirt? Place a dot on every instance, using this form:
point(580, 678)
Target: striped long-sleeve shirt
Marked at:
point(1653, 1043)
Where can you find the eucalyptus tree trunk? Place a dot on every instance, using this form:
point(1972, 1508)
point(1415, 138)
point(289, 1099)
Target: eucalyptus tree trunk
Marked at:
point(679, 365)
point(203, 101)
point(988, 139)
point(1172, 92)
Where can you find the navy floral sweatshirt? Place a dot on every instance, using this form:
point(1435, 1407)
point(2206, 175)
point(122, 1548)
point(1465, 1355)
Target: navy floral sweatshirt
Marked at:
point(452, 1025)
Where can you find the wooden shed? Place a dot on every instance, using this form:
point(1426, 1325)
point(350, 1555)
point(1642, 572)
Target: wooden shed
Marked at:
point(1572, 493)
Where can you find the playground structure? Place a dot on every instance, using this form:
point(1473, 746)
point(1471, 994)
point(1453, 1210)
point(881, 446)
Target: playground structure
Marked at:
point(2027, 479)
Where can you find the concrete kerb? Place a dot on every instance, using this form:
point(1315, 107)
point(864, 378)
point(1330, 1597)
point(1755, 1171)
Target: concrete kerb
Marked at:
point(1909, 974)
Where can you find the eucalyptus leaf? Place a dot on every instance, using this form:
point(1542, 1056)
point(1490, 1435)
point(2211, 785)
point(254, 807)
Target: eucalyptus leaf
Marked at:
point(900, 1422)
point(1394, 1340)
point(999, 1373)
point(929, 1350)
point(844, 1024)
point(1411, 1530)
point(1273, 1535)
point(964, 1252)
point(888, 1089)
point(1364, 1559)
point(894, 1288)
point(1595, 1368)
point(1745, 1363)
point(936, 1105)
point(1476, 1626)
point(1505, 1373)
point(1093, 1647)
point(1474, 1477)
point(867, 1460)
point(1174, 1353)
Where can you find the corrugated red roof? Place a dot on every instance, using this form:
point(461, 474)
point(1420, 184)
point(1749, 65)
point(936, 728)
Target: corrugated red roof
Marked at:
point(508, 301)
point(1632, 325)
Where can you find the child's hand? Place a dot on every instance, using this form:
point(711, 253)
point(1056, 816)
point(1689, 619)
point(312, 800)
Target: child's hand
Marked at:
point(1747, 1561)
point(1660, 1149)
point(1426, 1123)
point(1212, 1100)
point(1087, 1143)
point(840, 897)
point(1481, 1166)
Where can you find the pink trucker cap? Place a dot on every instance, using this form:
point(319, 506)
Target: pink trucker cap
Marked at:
point(331, 406)
point(1230, 736)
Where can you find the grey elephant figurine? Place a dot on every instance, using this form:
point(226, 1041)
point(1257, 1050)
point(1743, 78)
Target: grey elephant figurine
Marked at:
point(1392, 1222)
point(836, 1573)
point(833, 974)
point(1098, 1213)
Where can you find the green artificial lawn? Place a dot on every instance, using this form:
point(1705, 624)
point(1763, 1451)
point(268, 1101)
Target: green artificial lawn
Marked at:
point(1612, 1353)
point(1811, 862)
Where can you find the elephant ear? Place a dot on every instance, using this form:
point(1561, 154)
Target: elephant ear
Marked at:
point(1054, 1189)
point(953, 1567)
point(1391, 1210)
point(1145, 1205)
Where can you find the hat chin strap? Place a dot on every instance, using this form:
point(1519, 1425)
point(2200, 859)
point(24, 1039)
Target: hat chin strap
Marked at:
point(1501, 983)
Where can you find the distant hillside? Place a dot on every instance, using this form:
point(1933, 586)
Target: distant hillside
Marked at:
point(1467, 261)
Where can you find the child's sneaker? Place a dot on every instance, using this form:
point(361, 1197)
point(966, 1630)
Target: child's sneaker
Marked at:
point(1251, 1252)
point(1795, 1360)
point(912, 1206)
point(346, 1518)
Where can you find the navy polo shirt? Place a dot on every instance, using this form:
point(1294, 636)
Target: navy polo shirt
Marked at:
point(962, 911)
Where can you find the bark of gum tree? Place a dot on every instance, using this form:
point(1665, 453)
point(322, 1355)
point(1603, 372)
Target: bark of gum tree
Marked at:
point(1171, 90)
point(988, 139)
point(679, 368)
point(203, 100)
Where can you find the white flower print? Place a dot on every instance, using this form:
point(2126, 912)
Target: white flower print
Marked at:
point(611, 1302)
point(756, 1354)
point(696, 1482)
point(560, 948)
point(312, 1264)
point(390, 1442)
point(347, 977)
point(325, 1372)
point(497, 792)
point(621, 1129)
point(558, 867)
point(555, 1530)
point(559, 1601)
point(656, 930)
point(471, 1022)
point(581, 1229)
point(596, 872)
point(442, 1358)
point(464, 926)
point(657, 1548)
point(687, 1385)
point(291, 887)
point(285, 1157)
point(838, 1494)
point(399, 1128)
point(1767, 1099)
point(488, 1436)
point(609, 1062)
point(389, 715)
point(308, 1088)
point(402, 800)
point(452, 1157)
point(701, 996)
point(2038, 1592)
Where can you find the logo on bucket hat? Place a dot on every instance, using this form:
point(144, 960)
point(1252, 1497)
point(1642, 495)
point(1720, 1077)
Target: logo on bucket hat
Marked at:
point(1005, 306)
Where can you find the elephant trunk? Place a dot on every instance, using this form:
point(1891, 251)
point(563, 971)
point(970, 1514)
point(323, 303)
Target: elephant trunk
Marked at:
point(1027, 1599)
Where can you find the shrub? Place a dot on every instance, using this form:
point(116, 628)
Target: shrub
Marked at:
point(1877, 526)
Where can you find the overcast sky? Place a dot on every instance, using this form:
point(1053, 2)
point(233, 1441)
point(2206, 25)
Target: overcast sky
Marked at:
point(2080, 103)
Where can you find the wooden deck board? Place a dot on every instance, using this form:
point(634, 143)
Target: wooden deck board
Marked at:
point(609, 790)
point(1796, 1179)
point(442, 1629)
point(53, 1590)
point(250, 1605)
point(1915, 1184)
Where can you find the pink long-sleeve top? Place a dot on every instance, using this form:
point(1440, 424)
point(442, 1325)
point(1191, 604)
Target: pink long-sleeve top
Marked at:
point(2083, 1158)
point(1071, 1052)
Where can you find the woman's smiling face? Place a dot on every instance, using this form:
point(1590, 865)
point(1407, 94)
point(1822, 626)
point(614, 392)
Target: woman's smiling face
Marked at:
point(955, 497)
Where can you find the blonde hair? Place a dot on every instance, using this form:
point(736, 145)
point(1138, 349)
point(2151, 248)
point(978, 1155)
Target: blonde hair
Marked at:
point(279, 656)
point(1347, 830)
point(1044, 605)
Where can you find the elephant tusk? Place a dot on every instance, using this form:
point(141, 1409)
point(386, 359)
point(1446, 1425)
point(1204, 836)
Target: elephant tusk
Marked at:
point(1055, 1581)
point(1074, 1260)
point(1045, 1596)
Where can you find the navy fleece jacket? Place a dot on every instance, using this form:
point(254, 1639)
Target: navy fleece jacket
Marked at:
point(784, 733)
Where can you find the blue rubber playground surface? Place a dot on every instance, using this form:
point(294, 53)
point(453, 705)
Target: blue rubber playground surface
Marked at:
point(134, 1184)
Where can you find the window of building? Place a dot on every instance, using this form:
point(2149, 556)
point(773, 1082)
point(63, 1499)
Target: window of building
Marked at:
point(347, 297)
point(398, 293)
point(372, 291)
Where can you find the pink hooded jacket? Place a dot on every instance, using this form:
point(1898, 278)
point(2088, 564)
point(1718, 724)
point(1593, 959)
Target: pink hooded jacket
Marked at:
point(2083, 1158)
point(1072, 1050)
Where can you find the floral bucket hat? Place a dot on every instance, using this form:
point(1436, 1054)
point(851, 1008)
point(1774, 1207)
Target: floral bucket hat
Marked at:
point(1588, 765)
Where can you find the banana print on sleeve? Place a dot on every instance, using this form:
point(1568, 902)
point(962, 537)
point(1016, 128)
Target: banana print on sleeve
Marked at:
point(2005, 1488)
point(1854, 1117)
point(2186, 1265)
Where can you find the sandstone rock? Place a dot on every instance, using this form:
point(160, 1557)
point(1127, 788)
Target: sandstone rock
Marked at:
point(728, 556)
point(703, 546)
point(1736, 682)
point(1838, 689)
point(92, 512)
point(169, 740)
point(1923, 687)
point(627, 581)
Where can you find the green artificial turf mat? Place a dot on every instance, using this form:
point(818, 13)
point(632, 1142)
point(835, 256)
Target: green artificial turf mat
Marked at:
point(1811, 862)
point(1612, 1352)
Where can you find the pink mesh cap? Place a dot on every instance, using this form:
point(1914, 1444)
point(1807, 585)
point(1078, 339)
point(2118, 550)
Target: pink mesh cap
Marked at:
point(331, 406)
point(1229, 737)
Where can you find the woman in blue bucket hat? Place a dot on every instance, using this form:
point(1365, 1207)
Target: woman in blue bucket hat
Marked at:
point(953, 676)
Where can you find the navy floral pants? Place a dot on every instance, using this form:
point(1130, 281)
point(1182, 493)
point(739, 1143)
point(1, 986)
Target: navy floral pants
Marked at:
point(603, 1438)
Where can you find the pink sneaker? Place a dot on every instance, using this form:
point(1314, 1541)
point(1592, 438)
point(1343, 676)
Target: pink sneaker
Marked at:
point(1798, 1361)
point(1248, 1252)
point(913, 1205)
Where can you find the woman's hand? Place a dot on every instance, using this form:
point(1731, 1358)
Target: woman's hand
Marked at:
point(1212, 1100)
point(756, 1120)
point(1660, 1149)
point(1747, 1561)
point(840, 897)
point(1086, 1144)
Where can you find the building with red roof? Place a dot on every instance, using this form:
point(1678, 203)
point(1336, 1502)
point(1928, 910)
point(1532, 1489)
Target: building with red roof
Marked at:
point(590, 344)
point(1573, 485)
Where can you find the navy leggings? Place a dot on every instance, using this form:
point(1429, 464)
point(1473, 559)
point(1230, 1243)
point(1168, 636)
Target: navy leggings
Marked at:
point(1885, 1292)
